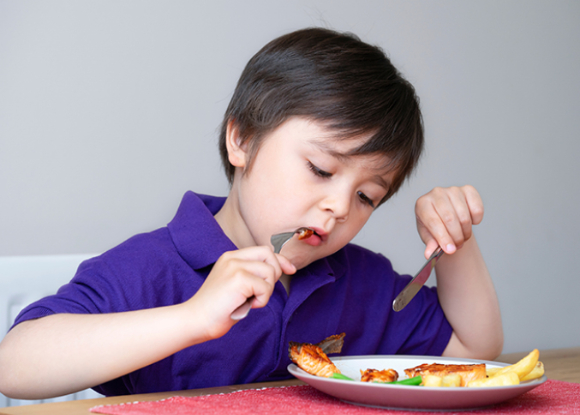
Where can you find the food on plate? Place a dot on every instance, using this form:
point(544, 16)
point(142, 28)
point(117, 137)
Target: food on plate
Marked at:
point(312, 358)
point(452, 380)
point(537, 372)
point(506, 379)
point(340, 376)
point(374, 375)
point(528, 368)
point(305, 233)
point(523, 367)
point(467, 373)
point(416, 381)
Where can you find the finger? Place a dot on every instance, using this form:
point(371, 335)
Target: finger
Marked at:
point(242, 269)
point(430, 247)
point(251, 282)
point(258, 254)
point(261, 289)
point(464, 217)
point(475, 204)
point(448, 215)
point(434, 234)
point(432, 211)
point(288, 267)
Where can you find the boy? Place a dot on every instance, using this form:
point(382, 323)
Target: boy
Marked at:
point(320, 131)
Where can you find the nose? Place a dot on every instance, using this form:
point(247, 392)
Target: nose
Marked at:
point(338, 205)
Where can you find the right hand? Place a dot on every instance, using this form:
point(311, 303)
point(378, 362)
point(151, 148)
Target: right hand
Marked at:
point(235, 277)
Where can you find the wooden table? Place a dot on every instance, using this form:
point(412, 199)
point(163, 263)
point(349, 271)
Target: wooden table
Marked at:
point(560, 364)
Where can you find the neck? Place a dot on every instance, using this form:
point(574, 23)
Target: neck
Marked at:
point(231, 222)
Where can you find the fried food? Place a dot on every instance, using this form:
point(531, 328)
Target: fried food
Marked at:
point(312, 358)
point(432, 381)
point(505, 379)
point(523, 367)
point(332, 344)
point(453, 380)
point(537, 372)
point(305, 233)
point(467, 373)
point(374, 375)
point(528, 368)
point(447, 381)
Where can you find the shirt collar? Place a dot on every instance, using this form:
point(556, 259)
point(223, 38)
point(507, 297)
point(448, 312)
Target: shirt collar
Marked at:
point(196, 234)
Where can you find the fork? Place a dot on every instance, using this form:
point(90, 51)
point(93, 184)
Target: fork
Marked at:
point(278, 241)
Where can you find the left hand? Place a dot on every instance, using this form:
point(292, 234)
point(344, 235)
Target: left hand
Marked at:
point(445, 217)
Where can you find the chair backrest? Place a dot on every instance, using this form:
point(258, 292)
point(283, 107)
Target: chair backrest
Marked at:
point(25, 279)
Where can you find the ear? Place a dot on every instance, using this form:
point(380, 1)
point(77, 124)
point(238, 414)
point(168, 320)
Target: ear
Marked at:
point(236, 151)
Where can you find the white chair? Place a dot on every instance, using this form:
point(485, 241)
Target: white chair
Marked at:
point(25, 279)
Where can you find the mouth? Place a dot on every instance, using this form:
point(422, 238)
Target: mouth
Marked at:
point(317, 237)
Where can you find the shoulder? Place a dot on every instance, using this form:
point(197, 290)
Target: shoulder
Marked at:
point(144, 271)
point(140, 251)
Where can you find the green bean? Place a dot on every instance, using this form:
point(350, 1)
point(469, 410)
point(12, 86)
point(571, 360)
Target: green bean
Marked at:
point(340, 376)
point(409, 382)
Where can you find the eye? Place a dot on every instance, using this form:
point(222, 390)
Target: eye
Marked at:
point(365, 199)
point(318, 172)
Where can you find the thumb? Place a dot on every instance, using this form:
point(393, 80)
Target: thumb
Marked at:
point(288, 267)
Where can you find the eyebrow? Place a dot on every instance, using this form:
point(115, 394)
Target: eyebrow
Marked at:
point(323, 146)
point(340, 156)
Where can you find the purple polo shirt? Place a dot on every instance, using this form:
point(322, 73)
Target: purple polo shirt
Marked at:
point(350, 291)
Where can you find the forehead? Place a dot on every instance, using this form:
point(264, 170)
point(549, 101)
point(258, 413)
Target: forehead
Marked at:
point(347, 148)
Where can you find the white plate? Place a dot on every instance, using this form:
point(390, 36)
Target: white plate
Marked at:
point(408, 397)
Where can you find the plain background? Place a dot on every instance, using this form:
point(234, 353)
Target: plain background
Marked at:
point(109, 112)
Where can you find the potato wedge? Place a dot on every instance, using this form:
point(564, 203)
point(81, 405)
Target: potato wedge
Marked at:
point(431, 380)
point(504, 379)
point(451, 381)
point(447, 381)
point(521, 368)
point(536, 372)
point(490, 371)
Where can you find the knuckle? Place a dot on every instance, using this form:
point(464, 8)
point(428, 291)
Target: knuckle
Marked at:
point(469, 188)
point(477, 211)
point(464, 219)
point(448, 218)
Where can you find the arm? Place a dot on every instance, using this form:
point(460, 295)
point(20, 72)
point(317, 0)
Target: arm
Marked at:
point(445, 217)
point(64, 353)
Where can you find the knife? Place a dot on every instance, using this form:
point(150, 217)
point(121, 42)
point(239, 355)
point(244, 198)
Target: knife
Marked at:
point(417, 282)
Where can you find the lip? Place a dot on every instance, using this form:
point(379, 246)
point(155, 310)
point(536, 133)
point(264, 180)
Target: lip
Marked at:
point(317, 238)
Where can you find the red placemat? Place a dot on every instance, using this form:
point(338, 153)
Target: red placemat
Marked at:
point(553, 397)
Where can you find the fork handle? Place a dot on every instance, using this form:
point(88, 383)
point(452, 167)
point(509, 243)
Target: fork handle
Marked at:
point(243, 310)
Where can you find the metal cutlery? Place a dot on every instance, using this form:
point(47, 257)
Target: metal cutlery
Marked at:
point(278, 241)
point(417, 282)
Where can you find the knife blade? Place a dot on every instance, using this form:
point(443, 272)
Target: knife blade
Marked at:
point(417, 282)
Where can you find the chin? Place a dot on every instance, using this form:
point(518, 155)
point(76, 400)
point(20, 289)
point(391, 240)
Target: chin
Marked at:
point(302, 260)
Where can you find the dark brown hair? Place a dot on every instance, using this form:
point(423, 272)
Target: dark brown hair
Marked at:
point(333, 78)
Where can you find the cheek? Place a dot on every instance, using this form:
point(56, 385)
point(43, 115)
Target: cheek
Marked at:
point(357, 220)
point(285, 181)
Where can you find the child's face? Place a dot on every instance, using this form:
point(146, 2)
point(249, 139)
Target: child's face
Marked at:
point(301, 177)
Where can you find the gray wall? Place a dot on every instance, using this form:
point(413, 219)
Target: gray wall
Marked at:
point(109, 111)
